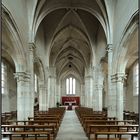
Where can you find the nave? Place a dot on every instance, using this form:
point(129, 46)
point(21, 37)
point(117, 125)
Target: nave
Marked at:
point(71, 128)
point(81, 53)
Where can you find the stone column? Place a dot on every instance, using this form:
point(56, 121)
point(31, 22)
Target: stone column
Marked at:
point(99, 89)
point(111, 94)
point(58, 92)
point(94, 101)
point(52, 94)
point(118, 79)
point(52, 86)
point(43, 105)
point(125, 91)
point(49, 91)
point(32, 85)
point(23, 96)
point(99, 98)
point(88, 91)
point(82, 101)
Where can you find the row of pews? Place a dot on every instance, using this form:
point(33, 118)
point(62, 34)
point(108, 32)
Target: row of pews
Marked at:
point(6, 116)
point(96, 123)
point(128, 115)
point(44, 124)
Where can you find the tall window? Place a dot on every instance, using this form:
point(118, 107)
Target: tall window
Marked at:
point(3, 77)
point(35, 83)
point(70, 85)
point(136, 79)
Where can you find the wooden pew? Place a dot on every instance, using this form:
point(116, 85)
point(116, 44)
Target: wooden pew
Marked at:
point(110, 128)
point(96, 118)
point(24, 134)
point(87, 123)
point(44, 118)
point(30, 128)
point(7, 116)
point(115, 133)
point(36, 122)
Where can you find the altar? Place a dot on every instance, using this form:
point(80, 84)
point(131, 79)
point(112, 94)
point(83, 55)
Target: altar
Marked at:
point(70, 103)
point(70, 100)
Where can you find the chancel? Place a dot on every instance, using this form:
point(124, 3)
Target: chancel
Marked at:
point(69, 69)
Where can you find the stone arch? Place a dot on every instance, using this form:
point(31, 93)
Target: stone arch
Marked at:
point(40, 69)
point(82, 7)
point(122, 52)
point(11, 41)
point(68, 73)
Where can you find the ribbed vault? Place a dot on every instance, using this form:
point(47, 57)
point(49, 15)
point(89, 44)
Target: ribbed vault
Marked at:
point(70, 30)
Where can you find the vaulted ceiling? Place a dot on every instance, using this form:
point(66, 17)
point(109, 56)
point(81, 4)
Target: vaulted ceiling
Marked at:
point(70, 27)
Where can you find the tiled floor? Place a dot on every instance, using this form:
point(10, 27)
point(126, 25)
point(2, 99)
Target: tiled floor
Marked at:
point(71, 128)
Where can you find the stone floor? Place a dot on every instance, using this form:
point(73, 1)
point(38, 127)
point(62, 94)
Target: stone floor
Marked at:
point(71, 128)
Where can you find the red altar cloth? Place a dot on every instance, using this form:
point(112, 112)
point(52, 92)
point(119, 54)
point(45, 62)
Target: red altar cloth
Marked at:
point(66, 99)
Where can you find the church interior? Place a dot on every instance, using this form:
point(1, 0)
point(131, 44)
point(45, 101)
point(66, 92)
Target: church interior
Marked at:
point(69, 70)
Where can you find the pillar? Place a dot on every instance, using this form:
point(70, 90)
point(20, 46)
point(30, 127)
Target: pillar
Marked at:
point(118, 79)
point(52, 87)
point(88, 91)
point(111, 107)
point(99, 98)
point(58, 92)
point(31, 69)
point(94, 101)
point(82, 101)
point(23, 96)
point(49, 91)
point(82, 97)
point(52, 90)
point(43, 104)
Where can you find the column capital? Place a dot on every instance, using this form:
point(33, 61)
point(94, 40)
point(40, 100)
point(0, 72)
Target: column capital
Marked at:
point(22, 76)
point(32, 46)
point(109, 48)
point(118, 77)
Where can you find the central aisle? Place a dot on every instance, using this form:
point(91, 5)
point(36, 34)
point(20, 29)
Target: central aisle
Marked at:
point(71, 128)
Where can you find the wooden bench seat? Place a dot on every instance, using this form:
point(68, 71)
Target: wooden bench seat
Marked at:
point(87, 123)
point(109, 128)
point(115, 133)
point(46, 118)
point(30, 128)
point(97, 118)
point(36, 122)
point(24, 134)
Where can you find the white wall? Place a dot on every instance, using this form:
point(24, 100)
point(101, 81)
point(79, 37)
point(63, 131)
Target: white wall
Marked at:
point(9, 99)
point(127, 9)
point(18, 11)
point(131, 101)
point(101, 45)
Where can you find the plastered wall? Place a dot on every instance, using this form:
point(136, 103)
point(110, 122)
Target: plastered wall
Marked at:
point(9, 99)
point(131, 100)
